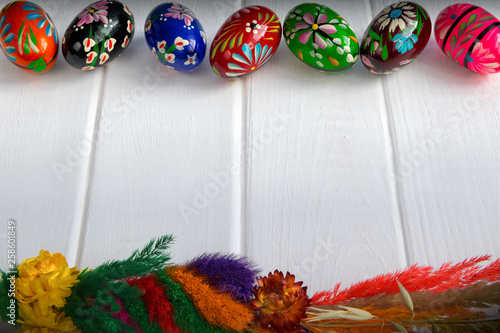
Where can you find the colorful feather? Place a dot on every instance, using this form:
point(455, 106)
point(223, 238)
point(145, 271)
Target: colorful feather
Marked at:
point(228, 273)
point(415, 278)
point(154, 296)
point(472, 308)
point(217, 308)
point(187, 317)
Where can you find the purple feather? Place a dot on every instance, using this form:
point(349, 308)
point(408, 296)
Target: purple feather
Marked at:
point(228, 273)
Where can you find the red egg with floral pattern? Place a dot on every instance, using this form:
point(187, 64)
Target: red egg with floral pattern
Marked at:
point(28, 37)
point(395, 37)
point(470, 36)
point(245, 42)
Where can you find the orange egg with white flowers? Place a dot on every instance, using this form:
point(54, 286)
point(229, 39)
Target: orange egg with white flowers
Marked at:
point(28, 36)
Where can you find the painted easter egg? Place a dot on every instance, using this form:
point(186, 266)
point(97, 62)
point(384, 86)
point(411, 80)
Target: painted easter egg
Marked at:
point(395, 37)
point(320, 37)
point(98, 34)
point(470, 36)
point(245, 42)
point(175, 37)
point(28, 36)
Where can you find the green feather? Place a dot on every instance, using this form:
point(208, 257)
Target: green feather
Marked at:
point(98, 288)
point(138, 311)
point(186, 316)
point(89, 315)
point(4, 299)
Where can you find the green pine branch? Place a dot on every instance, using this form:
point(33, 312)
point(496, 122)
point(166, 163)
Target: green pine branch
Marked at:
point(151, 258)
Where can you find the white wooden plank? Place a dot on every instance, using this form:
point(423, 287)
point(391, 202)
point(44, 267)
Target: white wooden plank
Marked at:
point(45, 134)
point(444, 121)
point(46, 130)
point(319, 198)
point(165, 163)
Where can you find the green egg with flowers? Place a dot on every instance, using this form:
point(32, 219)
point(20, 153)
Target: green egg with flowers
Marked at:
point(320, 37)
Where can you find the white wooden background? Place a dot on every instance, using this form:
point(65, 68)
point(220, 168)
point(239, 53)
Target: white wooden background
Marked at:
point(334, 177)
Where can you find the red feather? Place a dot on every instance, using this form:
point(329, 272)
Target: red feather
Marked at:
point(416, 278)
point(159, 308)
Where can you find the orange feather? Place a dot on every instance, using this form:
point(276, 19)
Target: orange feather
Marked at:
point(218, 309)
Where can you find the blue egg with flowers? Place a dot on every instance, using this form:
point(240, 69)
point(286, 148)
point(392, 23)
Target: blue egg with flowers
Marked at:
point(175, 37)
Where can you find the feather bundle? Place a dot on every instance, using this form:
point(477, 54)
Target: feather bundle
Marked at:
point(217, 308)
point(219, 293)
point(187, 317)
point(415, 278)
point(454, 298)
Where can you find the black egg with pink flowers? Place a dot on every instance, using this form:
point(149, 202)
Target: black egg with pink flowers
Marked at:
point(100, 33)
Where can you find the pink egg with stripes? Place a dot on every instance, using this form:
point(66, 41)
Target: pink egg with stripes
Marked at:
point(470, 36)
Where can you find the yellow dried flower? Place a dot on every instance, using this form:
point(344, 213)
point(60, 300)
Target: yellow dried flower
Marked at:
point(46, 279)
point(34, 322)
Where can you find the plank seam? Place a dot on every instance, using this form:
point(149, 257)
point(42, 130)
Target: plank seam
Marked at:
point(245, 158)
point(396, 190)
point(396, 187)
point(245, 95)
point(90, 172)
